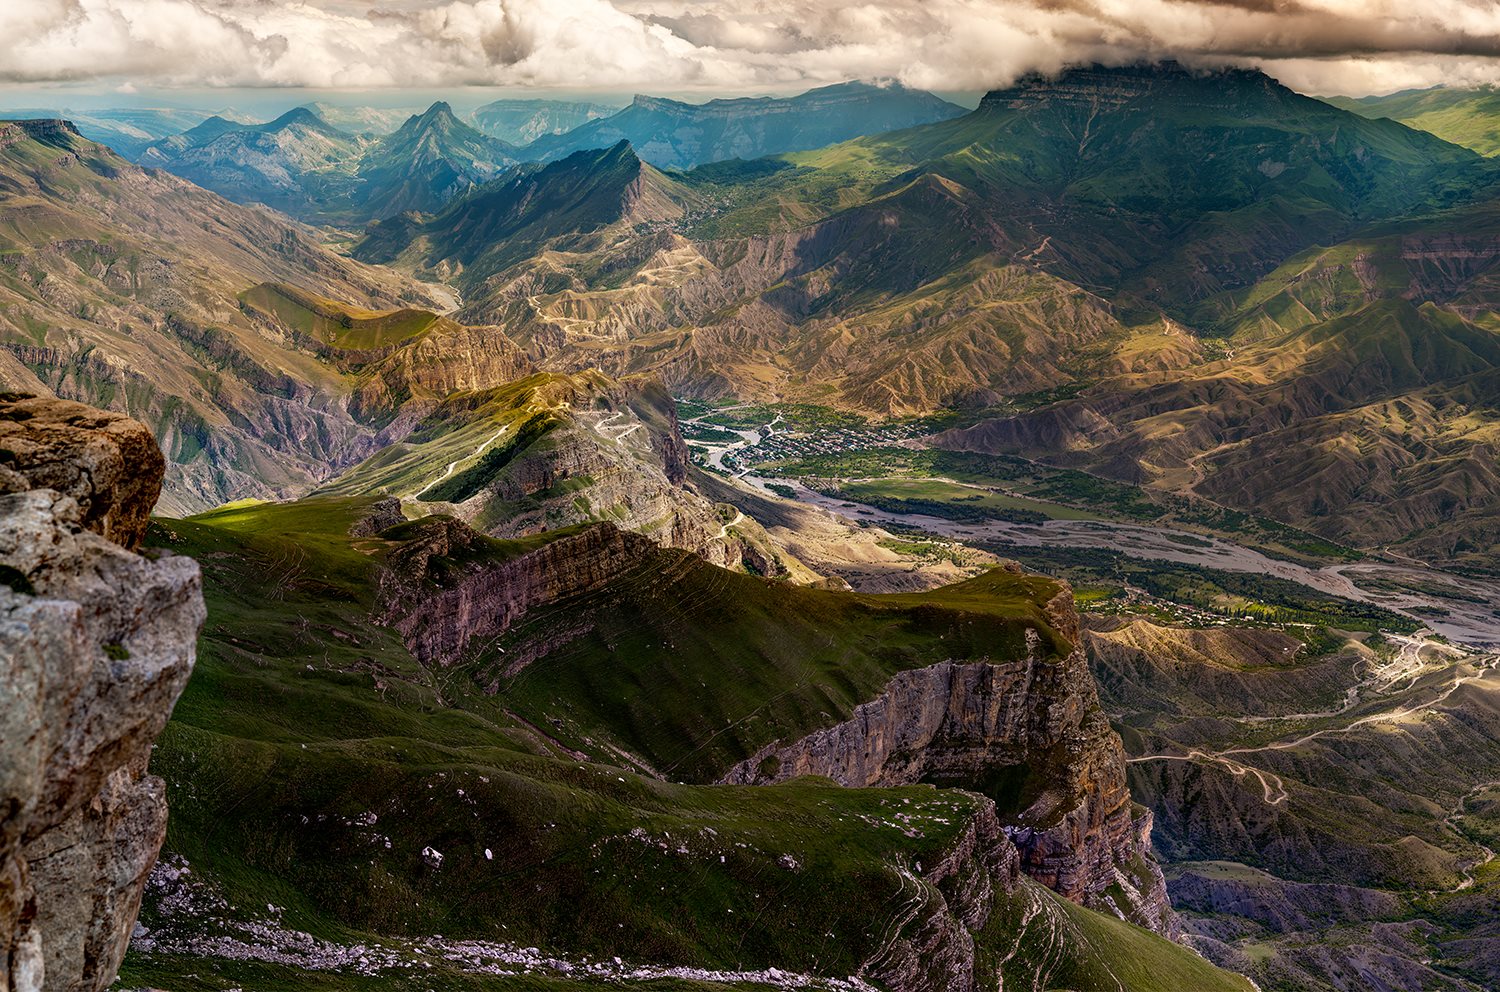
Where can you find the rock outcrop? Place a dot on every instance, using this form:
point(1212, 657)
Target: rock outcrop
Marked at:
point(939, 951)
point(107, 462)
point(96, 643)
point(1027, 730)
point(441, 591)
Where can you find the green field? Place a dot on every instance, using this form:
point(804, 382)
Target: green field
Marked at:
point(333, 323)
point(951, 501)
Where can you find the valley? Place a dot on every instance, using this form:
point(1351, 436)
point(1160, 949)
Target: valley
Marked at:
point(1465, 609)
point(836, 541)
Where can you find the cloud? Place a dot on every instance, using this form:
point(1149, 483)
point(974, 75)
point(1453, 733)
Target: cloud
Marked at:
point(1327, 45)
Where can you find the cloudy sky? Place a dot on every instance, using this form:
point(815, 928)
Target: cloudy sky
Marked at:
point(724, 46)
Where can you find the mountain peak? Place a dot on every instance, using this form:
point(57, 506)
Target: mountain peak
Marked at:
point(439, 116)
point(298, 115)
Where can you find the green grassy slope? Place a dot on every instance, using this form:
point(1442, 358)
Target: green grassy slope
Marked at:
point(311, 760)
point(1467, 116)
point(333, 323)
point(785, 660)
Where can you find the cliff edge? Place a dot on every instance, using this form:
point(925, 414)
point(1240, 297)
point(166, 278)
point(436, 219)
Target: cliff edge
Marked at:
point(96, 644)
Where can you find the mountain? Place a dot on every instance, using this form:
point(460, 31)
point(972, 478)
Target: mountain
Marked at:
point(292, 163)
point(1144, 239)
point(1041, 240)
point(1350, 397)
point(135, 290)
point(521, 122)
point(545, 452)
point(431, 159)
point(674, 135)
point(573, 205)
point(570, 827)
point(361, 120)
point(129, 131)
point(1467, 116)
point(302, 164)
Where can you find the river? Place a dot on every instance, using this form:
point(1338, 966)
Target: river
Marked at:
point(1472, 618)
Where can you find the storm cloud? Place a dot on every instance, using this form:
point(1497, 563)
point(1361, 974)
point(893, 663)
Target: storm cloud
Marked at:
point(708, 45)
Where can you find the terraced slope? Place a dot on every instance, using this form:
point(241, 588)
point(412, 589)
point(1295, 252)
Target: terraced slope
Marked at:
point(423, 804)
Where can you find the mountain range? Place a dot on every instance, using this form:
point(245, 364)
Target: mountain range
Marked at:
point(362, 168)
point(606, 540)
point(520, 122)
point(1112, 229)
point(674, 135)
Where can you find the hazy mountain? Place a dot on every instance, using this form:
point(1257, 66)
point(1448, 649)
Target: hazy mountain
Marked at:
point(675, 135)
point(1464, 116)
point(362, 120)
point(294, 163)
point(521, 122)
point(127, 131)
point(431, 159)
point(303, 164)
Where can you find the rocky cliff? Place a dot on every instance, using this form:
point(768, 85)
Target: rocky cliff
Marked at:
point(96, 643)
point(939, 952)
point(448, 586)
point(109, 464)
point(1028, 731)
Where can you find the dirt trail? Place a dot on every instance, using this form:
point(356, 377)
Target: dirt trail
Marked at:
point(416, 493)
point(1406, 663)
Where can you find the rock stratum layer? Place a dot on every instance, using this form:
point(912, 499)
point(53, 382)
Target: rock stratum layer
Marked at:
point(1029, 730)
point(96, 644)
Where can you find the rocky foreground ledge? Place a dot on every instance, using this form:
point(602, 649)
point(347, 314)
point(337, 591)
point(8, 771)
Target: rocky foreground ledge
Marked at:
point(96, 644)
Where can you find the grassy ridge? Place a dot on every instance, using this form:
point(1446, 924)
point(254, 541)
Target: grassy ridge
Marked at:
point(312, 760)
point(698, 672)
point(336, 324)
